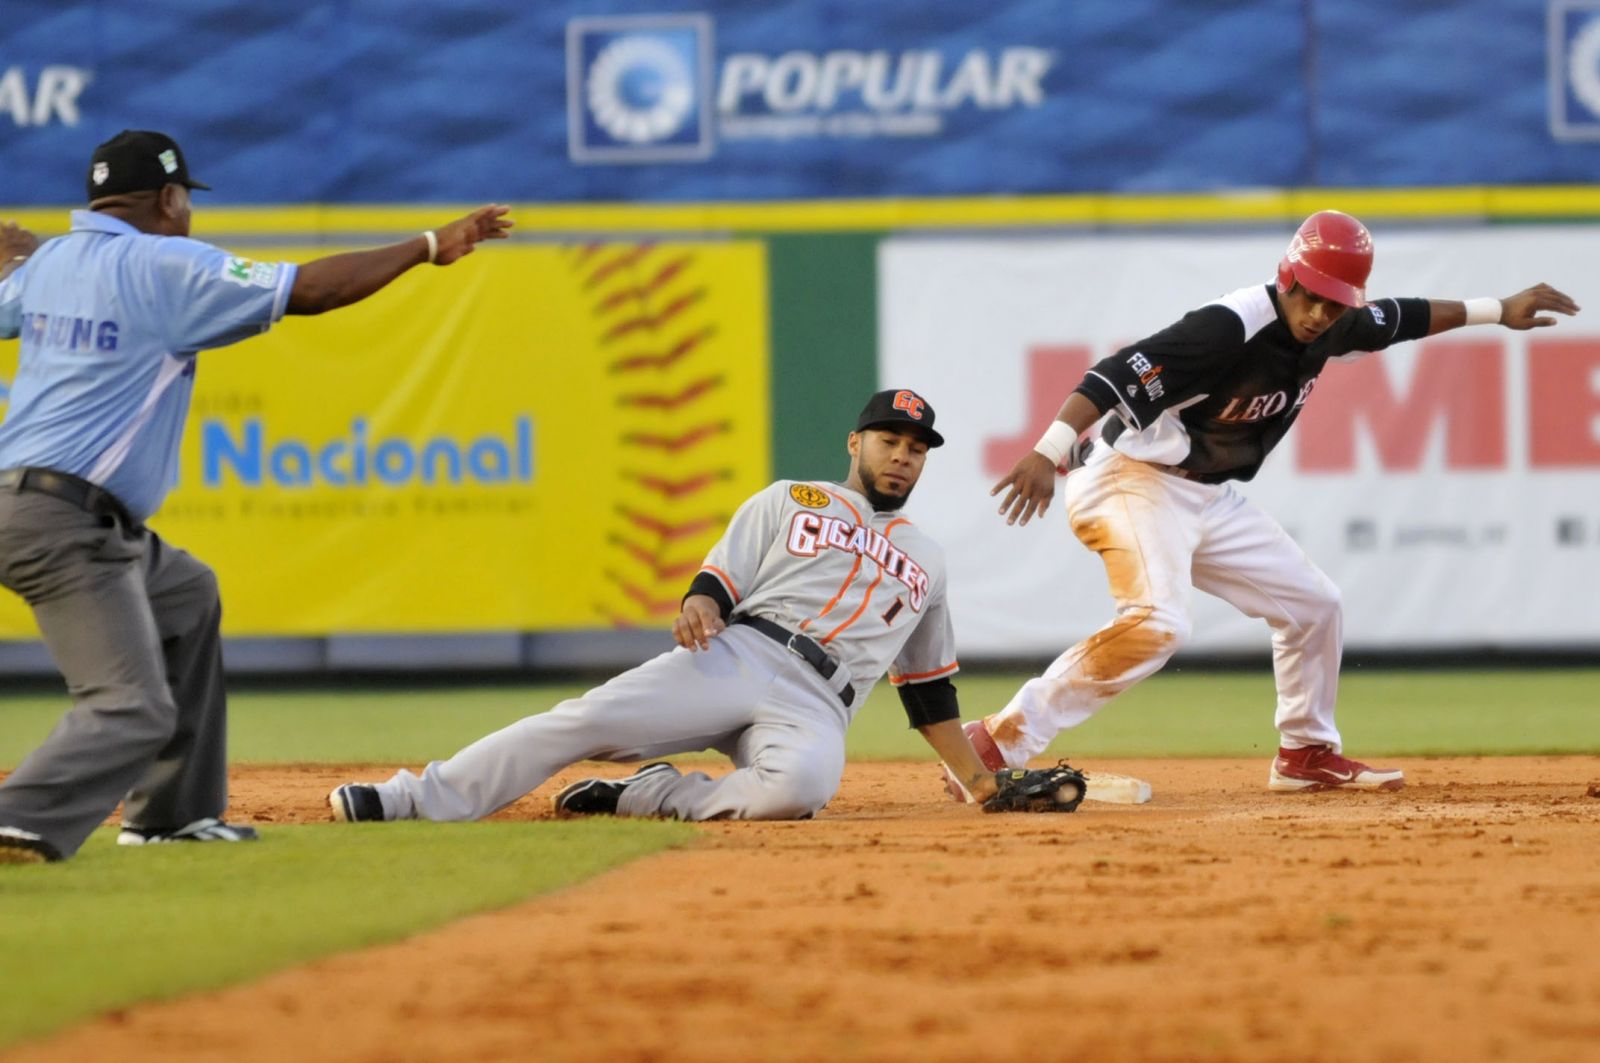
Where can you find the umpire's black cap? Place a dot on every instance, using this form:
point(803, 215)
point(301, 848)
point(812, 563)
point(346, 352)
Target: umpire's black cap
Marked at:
point(138, 160)
point(900, 408)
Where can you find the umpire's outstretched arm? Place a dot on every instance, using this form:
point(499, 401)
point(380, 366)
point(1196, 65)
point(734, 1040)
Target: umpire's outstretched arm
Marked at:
point(339, 280)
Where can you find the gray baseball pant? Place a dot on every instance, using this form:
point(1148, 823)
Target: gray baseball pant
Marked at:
point(134, 626)
point(748, 697)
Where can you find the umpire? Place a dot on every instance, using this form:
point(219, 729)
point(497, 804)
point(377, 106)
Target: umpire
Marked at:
point(111, 316)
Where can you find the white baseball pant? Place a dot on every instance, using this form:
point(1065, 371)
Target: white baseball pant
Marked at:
point(1157, 534)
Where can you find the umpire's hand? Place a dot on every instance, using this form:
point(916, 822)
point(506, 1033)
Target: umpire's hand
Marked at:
point(16, 243)
point(457, 239)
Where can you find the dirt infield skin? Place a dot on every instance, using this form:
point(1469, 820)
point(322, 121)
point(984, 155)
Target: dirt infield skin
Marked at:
point(1456, 920)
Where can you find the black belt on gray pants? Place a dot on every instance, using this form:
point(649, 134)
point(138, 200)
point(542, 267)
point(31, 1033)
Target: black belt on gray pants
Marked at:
point(76, 490)
point(802, 646)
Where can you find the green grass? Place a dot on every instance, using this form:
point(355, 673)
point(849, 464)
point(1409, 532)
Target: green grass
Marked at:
point(112, 927)
point(115, 926)
point(1192, 714)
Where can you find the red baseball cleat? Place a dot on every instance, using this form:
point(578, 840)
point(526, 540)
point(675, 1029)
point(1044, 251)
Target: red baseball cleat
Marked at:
point(1320, 768)
point(983, 744)
point(988, 752)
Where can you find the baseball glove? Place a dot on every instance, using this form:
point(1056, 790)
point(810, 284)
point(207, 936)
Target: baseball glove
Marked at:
point(1057, 789)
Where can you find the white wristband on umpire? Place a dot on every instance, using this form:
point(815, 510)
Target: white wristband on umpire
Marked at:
point(433, 245)
point(1059, 443)
point(1482, 311)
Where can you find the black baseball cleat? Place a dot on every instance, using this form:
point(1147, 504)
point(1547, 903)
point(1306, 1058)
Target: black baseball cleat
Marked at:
point(356, 802)
point(18, 846)
point(599, 797)
point(201, 830)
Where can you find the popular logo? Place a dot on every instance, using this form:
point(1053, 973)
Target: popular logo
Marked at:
point(910, 402)
point(650, 88)
point(1574, 69)
point(810, 497)
point(639, 88)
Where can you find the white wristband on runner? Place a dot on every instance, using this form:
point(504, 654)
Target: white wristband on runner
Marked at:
point(1057, 443)
point(433, 244)
point(1482, 311)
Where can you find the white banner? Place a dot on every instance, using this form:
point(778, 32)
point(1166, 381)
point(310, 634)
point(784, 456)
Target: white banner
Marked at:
point(1450, 487)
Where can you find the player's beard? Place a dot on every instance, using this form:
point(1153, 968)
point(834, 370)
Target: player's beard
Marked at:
point(882, 501)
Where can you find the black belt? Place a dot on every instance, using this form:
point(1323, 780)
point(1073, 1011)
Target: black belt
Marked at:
point(80, 492)
point(802, 646)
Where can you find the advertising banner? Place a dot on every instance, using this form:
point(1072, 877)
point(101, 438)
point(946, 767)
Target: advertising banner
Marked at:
point(572, 101)
point(547, 438)
point(1448, 486)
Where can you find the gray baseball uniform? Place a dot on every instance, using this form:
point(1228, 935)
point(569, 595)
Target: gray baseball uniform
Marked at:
point(850, 592)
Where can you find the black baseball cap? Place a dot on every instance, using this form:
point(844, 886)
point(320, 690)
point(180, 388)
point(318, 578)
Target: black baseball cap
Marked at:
point(899, 408)
point(137, 160)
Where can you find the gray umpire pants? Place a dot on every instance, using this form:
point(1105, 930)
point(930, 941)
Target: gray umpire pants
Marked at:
point(746, 696)
point(134, 626)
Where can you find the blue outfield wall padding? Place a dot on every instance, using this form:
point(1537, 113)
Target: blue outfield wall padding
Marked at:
point(738, 101)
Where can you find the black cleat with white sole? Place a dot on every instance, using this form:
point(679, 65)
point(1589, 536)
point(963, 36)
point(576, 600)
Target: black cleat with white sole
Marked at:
point(599, 797)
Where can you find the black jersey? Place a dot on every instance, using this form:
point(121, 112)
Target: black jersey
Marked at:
point(1216, 391)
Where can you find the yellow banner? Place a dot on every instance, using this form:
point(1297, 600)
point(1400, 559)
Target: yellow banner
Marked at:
point(537, 438)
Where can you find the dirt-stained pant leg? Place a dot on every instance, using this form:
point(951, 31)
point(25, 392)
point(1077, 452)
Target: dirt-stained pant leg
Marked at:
point(1145, 525)
point(1249, 561)
point(88, 584)
point(678, 702)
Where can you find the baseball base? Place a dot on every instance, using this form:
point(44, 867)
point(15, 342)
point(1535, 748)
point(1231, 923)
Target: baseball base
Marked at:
point(1116, 789)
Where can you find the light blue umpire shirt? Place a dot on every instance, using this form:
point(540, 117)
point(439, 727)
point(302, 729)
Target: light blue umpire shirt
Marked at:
point(111, 319)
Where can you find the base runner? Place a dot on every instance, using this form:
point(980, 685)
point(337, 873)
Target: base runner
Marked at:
point(1193, 408)
point(813, 592)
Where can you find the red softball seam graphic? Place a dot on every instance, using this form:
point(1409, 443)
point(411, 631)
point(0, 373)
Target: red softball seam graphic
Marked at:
point(683, 441)
point(585, 252)
point(625, 260)
point(664, 401)
point(641, 295)
point(649, 360)
point(652, 606)
point(675, 489)
point(640, 292)
point(676, 570)
point(654, 321)
point(671, 530)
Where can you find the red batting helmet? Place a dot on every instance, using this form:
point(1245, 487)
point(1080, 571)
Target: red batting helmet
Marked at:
point(1331, 255)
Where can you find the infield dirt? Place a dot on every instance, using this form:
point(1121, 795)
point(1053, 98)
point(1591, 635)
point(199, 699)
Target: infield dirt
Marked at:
point(1455, 920)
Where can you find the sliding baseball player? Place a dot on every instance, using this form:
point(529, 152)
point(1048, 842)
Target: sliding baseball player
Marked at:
point(814, 591)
